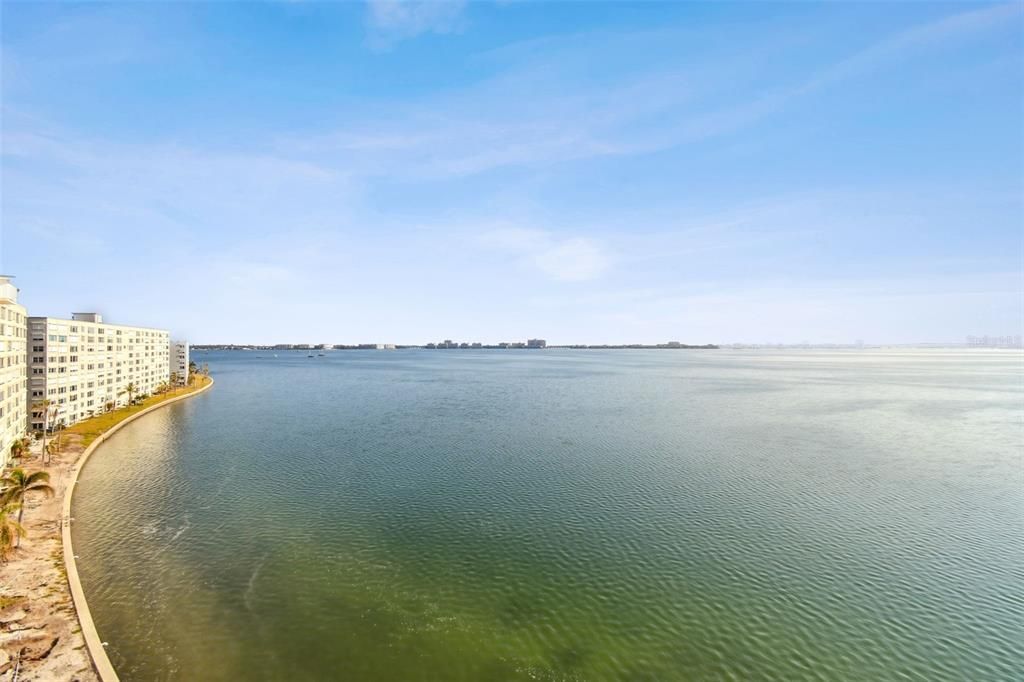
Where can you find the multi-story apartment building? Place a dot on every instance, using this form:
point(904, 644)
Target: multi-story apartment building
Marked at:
point(179, 361)
point(84, 365)
point(13, 412)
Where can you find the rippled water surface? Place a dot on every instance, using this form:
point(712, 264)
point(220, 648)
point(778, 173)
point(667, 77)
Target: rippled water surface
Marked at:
point(561, 515)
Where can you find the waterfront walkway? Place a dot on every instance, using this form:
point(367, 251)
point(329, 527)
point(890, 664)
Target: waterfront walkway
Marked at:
point(38, 622)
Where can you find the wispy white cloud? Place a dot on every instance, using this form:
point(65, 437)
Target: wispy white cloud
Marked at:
point(64, 235)
point(258, 276)
point(100, 185)
point(537, 114)
point(566, 259)
point(92, 39)
point(889, 51)
point(573, 260)
point(391, 21)
point(917, 38)
point(887, 309)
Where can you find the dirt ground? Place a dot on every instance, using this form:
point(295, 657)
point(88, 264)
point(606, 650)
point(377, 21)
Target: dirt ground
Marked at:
point(39, 631)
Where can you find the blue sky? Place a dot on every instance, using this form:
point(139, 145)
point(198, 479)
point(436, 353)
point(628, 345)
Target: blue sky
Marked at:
point(582, 172)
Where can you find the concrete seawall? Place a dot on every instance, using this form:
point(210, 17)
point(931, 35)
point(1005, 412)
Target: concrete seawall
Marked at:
point(100, 660)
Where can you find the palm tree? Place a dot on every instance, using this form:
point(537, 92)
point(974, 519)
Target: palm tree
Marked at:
point(57, 442)
point(17, 484)
point(10, 531)
point(49, 411)
point(130, 389)
point(18, 448)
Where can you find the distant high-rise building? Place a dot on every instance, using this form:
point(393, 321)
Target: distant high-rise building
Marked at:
point(179, 361)
point(1009, 341)
point(536, 343)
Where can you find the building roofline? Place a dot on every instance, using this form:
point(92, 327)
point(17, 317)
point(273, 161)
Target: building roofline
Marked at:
point(104, 323)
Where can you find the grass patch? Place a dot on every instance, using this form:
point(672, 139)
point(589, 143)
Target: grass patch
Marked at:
point(93, 428)
point(58, 563)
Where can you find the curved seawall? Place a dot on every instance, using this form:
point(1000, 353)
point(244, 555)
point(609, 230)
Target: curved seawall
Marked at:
point(100, 660)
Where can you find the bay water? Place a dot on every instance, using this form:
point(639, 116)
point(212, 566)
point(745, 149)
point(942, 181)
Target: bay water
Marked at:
point(567, 515)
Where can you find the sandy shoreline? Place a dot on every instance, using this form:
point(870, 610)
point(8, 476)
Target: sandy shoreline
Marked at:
point(38, 620)
point(39, 625)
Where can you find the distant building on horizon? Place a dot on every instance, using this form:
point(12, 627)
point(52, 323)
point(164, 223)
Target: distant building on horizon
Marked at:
point(536, 343)
point(1009, 341)
point(179, 361)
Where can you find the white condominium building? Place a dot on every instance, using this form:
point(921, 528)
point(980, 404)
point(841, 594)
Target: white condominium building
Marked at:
point(83, 366)
point(13, 413)
point(179, 361)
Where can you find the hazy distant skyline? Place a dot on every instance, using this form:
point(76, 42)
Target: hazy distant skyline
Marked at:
point(579, 172)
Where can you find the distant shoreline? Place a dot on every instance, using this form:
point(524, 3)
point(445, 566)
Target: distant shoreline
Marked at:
point(287, 348)
point(637, 346)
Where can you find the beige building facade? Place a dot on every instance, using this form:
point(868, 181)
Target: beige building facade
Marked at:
point(13, 409)
point(83, 366)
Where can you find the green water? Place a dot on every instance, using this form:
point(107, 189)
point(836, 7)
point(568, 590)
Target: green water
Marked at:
point(559, 515)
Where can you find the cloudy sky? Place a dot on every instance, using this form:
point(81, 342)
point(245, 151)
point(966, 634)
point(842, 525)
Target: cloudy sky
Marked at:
point(582, 172)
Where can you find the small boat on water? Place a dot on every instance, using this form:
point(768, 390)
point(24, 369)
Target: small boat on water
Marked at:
point(320, 355)
point(310, 355)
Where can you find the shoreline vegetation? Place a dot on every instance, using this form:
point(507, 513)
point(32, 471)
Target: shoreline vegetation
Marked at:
point(40, 633)
point(90, 429)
